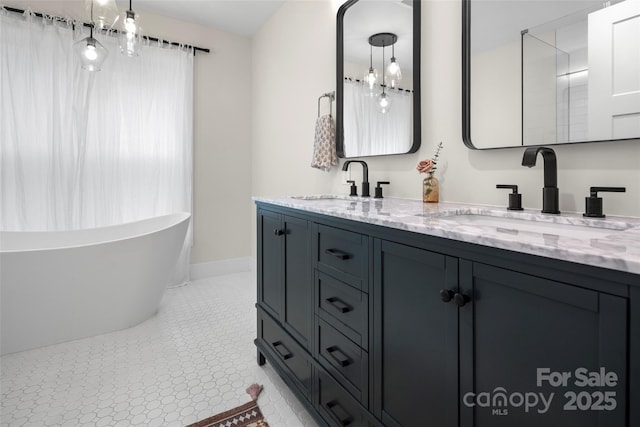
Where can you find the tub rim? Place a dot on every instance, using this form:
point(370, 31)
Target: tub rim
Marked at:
point(180, 217)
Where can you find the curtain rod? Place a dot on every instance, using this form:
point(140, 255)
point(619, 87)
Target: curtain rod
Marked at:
point(387, 86)
point(86, 24)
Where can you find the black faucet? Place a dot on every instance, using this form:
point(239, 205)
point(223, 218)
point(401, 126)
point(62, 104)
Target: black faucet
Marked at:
point(365, 175)
point(550, 190)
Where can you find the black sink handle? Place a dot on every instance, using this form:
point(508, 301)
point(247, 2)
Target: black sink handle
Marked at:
point(515, 198)
point(593, 203)
point(514, 188)
point(595, 190)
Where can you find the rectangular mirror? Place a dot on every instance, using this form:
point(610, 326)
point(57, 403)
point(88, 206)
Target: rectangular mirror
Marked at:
point(378, 107)
point(550, 72)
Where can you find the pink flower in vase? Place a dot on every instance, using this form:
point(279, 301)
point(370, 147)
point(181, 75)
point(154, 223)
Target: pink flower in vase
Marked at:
point(425, 166)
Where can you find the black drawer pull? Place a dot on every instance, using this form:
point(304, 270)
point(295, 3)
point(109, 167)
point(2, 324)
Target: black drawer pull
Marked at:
point(339, 305)
point(342, 359)
point(278, 231)
point(337, 253)
point(339, 414)
point(282, 350)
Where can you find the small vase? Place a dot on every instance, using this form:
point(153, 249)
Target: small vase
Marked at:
point(430, 189)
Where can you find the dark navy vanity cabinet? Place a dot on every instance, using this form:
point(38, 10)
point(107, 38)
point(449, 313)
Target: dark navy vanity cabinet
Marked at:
point(373, 326)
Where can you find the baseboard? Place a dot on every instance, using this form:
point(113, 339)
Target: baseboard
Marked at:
point(221, 267)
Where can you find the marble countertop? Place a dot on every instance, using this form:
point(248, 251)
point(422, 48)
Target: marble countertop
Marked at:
point(613, 242)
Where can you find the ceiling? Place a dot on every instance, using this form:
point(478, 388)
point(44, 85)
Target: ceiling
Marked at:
point(500, 22)
point(243, 17)
point(366, 18)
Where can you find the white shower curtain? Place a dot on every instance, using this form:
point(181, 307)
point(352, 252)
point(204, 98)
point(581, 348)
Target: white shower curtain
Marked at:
point(368, 132)
point(82, 149)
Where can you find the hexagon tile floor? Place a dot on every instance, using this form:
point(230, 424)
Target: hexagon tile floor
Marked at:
point(195, 358)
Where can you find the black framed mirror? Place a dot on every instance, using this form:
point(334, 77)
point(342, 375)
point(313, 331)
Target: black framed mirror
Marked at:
point(377, 108)
point(550, 72)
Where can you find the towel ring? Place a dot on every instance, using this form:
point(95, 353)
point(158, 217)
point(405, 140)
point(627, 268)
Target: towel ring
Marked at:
point(332, 97)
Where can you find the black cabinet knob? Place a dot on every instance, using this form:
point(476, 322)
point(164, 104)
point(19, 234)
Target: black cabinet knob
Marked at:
point(446, 295)
point(461, 299)
point(278, 232)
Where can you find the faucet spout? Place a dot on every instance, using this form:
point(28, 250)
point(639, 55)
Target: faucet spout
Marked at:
point(550, 164)
point(365, 175)
point(550, 191)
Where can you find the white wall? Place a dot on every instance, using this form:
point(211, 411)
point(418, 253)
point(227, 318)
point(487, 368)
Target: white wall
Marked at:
point(222, 116)
point(293, 64)
point(300, 39)
point(255, 115)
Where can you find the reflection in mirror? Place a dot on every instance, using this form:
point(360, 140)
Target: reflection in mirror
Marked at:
point(550, 72)
point(377, 67)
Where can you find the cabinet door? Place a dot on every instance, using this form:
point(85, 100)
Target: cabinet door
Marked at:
point(270, 252)
point(525, 341)
point(285, 285)
point(415, 357)
point(298, 280)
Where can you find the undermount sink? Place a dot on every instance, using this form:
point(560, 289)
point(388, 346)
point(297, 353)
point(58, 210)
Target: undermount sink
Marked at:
point(558, 226)
point(330, 197)
point(318, 197)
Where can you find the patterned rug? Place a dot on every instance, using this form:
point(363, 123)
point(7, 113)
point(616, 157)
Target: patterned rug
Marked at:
point(247, 415)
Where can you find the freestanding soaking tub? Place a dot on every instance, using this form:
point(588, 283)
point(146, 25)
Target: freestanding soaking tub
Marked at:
point(58, 286)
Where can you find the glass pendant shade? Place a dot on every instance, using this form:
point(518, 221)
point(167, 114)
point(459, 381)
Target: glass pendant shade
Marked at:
point(91, 53)
point(105, 13)
point(130, 39)
point(371, 77)
point(394, 72)
point(383, 102)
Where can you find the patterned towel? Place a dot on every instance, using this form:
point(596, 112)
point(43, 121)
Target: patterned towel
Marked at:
point(324, 147)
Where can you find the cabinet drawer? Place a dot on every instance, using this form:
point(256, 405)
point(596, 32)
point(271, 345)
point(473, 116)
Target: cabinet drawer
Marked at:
point(286, 351)
point(336, 406)
point(343, 251)
point(345, 360)
point(344, 307)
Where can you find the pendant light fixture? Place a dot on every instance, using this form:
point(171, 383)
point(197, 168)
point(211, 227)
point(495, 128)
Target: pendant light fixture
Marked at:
point(90, 51)
point(395, 74)
point(382, 40)
point(130, 37)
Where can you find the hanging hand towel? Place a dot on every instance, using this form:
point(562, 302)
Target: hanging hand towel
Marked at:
point(324, 148)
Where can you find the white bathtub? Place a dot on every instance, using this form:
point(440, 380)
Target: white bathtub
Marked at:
point(64, 285)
